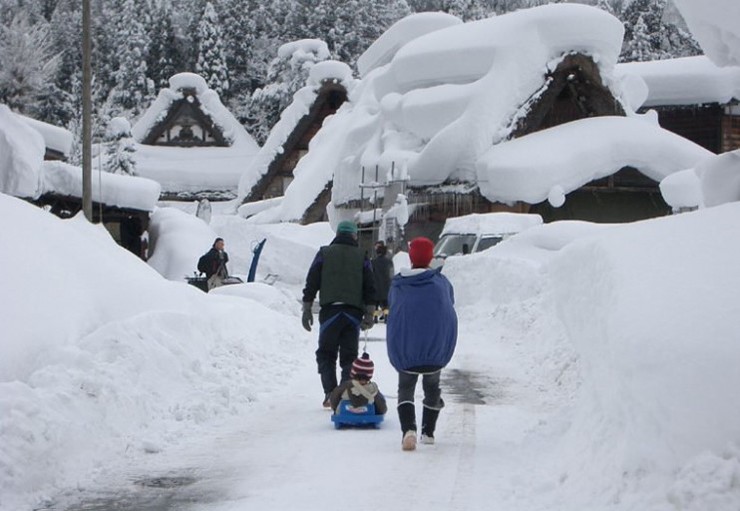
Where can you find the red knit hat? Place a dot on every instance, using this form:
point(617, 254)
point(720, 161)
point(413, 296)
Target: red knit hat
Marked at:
point(421, 252)
point(362, 366)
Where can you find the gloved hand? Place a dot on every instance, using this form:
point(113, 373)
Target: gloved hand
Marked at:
point(307, 318)
point(368, 319)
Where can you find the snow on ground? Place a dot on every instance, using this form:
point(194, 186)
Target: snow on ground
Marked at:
point(595, 370)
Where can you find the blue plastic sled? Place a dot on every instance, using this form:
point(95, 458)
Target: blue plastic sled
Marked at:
point(347, 417)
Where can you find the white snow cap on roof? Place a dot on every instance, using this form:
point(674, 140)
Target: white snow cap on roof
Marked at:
point(110, 189)
point(686, 81)
point(551, 163)
point(401, 32)
point(55, 137)
point(716, 25)
point(210, 104)
point(329, 70)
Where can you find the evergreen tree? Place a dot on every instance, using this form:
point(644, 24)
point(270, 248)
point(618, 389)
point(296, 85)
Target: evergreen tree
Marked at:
point(131, 92)
point(164, 57)
point(211, 64)
point(238, 33)
point(27, 62)
point(657, 39)
point(120, 148)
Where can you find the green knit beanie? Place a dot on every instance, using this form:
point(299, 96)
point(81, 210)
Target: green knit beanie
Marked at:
point(347, 227)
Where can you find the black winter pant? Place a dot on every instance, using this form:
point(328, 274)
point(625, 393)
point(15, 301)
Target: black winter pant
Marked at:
point(339, 334)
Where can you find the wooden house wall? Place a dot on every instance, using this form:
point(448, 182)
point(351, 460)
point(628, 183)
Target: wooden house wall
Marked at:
point(730, 133)
point(702, 124)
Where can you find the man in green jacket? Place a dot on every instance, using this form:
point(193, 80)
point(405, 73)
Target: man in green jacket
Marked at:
point(343, 277)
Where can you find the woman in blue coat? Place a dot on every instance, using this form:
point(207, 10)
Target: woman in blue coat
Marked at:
point(421, 338)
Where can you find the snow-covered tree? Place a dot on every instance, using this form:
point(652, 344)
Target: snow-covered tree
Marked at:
point(657, 39)
point(211, 63)
point(164, 57)
point(120, 148)
point(132, 91)
point(640, 46)
point(28, 62)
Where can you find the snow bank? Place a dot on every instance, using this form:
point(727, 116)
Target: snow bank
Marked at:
point(651, 309)
point(103, 360)
point(628, 335)
point(21, 155)
point(686, 81)
point(553, 162)
point(714, 23)
point(176, 242)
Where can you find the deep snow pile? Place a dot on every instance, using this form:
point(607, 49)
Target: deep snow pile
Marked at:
point(714, 181)
point(102, 359)
point(628, 336)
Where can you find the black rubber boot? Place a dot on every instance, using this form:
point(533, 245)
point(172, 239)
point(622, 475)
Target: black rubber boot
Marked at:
point(407, 417)
point(429, 421)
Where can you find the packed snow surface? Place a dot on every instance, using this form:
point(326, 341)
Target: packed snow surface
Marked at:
point(590, 357)
point(686, 81)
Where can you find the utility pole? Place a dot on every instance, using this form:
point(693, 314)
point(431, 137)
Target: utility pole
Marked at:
point(86, 112)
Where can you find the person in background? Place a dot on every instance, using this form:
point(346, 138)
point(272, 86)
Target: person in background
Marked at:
point(383, 271)
point(213, 264)
point(421, 338)
point(343, 277)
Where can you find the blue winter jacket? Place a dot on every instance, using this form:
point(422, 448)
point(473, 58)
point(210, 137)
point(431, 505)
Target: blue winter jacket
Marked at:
point(422, 323)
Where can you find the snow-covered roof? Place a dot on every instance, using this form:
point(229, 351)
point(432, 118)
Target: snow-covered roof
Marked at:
point(210, 104)
point(401, 32)
point(25, 174)
point(56, 138)
point(446, 96)
point(193, 169)
point(490, 223)
point(117, 190)
point(551, 163)
point(686, 81)
point(716, 25)
point(303, 99)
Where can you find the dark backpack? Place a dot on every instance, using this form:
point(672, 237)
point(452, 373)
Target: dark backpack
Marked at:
point(203, 263)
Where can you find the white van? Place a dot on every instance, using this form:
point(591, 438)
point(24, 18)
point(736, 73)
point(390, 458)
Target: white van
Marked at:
point(475, 233)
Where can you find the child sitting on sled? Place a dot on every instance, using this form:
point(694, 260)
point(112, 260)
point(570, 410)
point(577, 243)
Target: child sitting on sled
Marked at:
point(359, 391)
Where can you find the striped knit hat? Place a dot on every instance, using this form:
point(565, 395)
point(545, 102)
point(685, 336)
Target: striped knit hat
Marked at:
point(362, 366)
